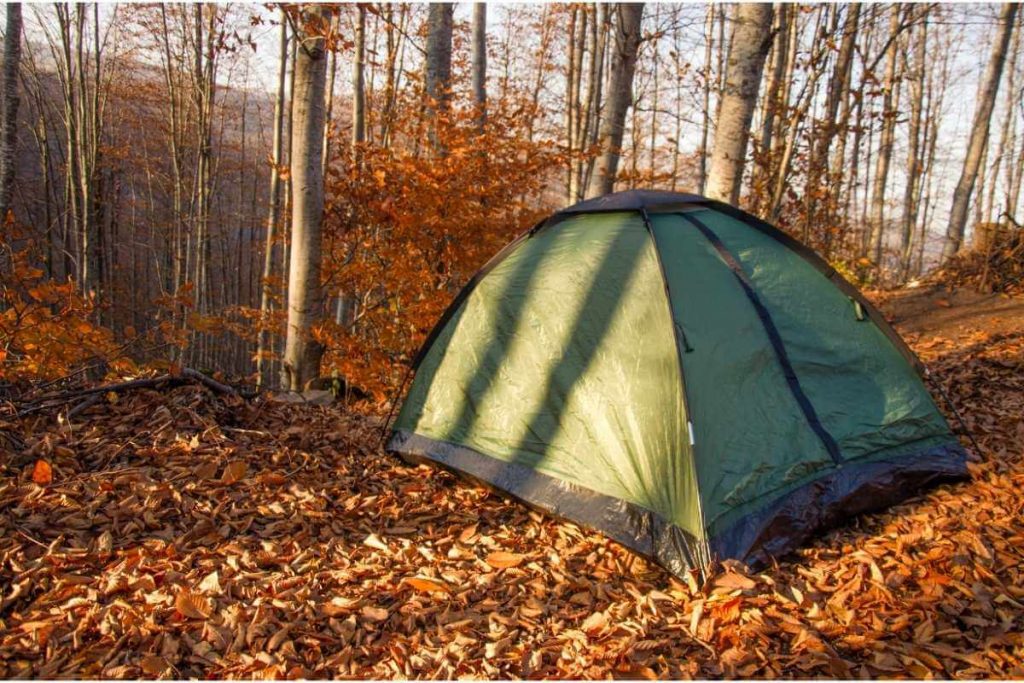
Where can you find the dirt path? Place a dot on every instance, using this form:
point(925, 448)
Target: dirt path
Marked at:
point(936, 311)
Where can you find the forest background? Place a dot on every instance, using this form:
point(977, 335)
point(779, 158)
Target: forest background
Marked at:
point(151, 155)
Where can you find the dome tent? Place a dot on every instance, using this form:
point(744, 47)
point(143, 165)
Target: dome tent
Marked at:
point(678, 375)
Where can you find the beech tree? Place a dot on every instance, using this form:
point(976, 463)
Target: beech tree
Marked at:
point(890, 99)
point(479, 60)
point(305, 297)
point(979, 132)
point(438, 66)
point(620, 97)
point(273, 206)
point(751, 39)
point(9, 113)
point(358, 83)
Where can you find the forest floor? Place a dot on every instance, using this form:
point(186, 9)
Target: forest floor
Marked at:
point(182, 534)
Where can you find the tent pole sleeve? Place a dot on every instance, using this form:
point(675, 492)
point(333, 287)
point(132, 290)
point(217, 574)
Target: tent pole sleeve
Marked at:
point(773, 336)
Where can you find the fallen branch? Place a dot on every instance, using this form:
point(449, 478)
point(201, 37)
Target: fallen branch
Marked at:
point(187, 375)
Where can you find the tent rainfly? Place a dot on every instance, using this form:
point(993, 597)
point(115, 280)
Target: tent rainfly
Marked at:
point(680, 376)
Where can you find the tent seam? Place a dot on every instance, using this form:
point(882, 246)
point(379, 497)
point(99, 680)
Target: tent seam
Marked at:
point(706, 547)
point(774, 337)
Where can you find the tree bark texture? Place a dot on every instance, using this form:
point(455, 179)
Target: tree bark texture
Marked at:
point(979, 132)
point(749, 46)
point(9, 112)
point(620, 97)
point(302, 351)
point(479, 60)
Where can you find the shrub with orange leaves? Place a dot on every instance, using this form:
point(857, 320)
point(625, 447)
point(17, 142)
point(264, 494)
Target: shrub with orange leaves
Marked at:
point(406, 226)
point(46, 326)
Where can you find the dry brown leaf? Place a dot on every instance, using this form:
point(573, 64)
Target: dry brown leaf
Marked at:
point(273, 478)
point(211, 584)
point(731, 581)
point(374, 541)
point(207, 470)
point(426, 585)
point(467, 534)
point(192, 605)
point(595, 623)
point(339, 605)
point(235, 471)
point(375, 614)
point(154, 665)
point(503, 560)
point(698, 612)
point(105, 543)
point(42, 473)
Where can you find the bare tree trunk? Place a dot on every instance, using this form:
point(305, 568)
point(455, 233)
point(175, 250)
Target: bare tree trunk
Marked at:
point(911, 195)
point(782, 59)
point(1004, 152)
point(886, 136)
point(479, 60)
point(751, 38)
point(979, 133)
point(655, 69)
point(838, 93)
point(9, 113)
point(438, 67)
point(587, 116)
point(302, 351)
point(702, 153)
point(273, 212)
point(936, 97)
point(332, 71)
point(601, 26)
point(620, 97)
point(359, 85)
point(1013, 194)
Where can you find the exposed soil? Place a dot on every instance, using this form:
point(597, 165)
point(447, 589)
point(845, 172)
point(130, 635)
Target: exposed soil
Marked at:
point(935, 310)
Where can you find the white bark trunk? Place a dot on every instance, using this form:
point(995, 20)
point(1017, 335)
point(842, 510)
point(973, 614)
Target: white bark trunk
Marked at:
point(9, 112)
point(273, 211)
point(752, 36)
point(358, 85)
point(979, 133)
point(620, 97)
point(438, 66)
point(479, 59)
point(302, 351)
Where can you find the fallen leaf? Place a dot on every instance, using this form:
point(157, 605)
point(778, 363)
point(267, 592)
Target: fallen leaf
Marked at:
point(105, 543)
point(154, 665)
point(504, 560)
point(235, 471)
point(42, 473)
point(731, 581)
point(467, 534)
point(192, 605)
point(375, 614)
point(374, 541)
point(426, 585)
point(211, 584)
point(595, 623)
point(207, 470)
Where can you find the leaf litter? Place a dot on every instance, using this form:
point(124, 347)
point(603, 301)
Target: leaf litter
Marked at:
point(181, 534)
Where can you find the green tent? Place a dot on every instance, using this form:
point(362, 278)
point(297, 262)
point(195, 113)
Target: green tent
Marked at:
point(678, 375)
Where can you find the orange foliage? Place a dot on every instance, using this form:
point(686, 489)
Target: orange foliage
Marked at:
point(407, 227)
point(46, 326)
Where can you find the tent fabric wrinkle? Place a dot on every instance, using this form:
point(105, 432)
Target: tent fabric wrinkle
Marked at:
point(678, 375)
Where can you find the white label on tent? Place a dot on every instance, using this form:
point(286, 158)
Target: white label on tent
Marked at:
point(689, 428)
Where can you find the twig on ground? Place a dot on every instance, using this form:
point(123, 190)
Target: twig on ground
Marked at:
point(187, 375)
